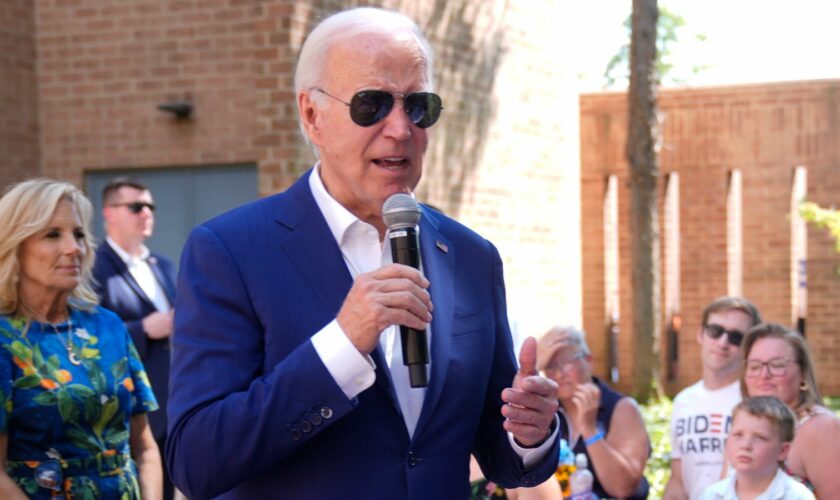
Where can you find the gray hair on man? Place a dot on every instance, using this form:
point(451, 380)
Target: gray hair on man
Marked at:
point(343, 26)
point(560, 337)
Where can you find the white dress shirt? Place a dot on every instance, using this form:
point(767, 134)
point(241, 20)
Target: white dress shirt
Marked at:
point(138, 267)
point(363, 253)
point(353, 372)
point(783, 487)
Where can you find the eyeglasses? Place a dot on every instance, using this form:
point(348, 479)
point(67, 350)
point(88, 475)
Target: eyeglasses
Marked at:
point(135, 207)
point(369, 107)
point(776, 366)
point(564, 366)
point(734, 337)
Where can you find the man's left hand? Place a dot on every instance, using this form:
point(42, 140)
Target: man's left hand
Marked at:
point(531, 402)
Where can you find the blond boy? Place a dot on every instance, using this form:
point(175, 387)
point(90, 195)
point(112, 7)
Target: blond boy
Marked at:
point(762, 430)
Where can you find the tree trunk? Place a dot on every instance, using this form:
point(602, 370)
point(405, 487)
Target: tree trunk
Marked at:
point(644, 220)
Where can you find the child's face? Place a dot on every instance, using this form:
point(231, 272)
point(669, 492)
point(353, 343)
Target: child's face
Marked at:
point(754, 445)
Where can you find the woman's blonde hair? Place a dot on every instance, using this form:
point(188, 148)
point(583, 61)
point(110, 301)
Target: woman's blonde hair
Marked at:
point(27, 208)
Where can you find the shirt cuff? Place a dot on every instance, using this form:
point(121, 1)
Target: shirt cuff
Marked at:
point(351, 370)
point(531, 456)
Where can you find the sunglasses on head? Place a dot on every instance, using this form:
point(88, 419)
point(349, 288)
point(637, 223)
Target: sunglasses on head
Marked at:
point(136, 207)
point(734, 337)
point(369, 107)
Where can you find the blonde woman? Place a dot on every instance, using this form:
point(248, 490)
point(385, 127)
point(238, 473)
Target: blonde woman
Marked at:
point(73, 393)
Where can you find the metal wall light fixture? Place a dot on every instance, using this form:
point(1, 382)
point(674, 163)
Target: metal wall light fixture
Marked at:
point(181, 109)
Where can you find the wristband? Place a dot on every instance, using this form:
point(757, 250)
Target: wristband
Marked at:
point(594, 439)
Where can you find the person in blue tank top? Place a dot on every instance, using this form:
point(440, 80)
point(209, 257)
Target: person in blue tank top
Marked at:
point(597, 421)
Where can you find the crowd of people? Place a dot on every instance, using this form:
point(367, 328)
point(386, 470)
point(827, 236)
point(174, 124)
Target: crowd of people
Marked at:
point(278, 352)
point(754, 425)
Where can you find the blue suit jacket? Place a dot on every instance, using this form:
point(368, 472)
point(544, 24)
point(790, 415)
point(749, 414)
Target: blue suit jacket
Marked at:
point(119, 292)
point(253, 411)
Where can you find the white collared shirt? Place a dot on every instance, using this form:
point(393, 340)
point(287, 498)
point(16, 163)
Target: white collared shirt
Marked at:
point(783, 487)
point(138, 267)
point(363, 252)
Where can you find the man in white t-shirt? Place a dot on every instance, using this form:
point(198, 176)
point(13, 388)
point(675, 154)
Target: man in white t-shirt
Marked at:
point(702, 412)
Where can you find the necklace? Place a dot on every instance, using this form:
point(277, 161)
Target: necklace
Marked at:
point(69, 344)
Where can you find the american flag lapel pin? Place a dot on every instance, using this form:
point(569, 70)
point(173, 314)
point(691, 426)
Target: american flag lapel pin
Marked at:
point(443, 248)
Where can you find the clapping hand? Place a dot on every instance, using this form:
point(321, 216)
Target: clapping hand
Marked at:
point(586, 399)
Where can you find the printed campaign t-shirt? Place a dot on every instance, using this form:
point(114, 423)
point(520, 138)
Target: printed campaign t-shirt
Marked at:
point(700, 423)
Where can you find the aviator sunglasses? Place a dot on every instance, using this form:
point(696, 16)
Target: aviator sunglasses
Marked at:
point(135, 207)
point(369, 107)
point(734, 337)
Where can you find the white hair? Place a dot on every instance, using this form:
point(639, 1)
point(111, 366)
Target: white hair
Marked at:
point(343, 26)
point(576, 337)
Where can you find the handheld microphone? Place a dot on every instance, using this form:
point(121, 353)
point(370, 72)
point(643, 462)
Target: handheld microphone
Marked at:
point(401, 214)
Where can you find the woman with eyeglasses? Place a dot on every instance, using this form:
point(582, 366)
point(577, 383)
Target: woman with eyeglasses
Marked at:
point(73, 393)
point(777, 362)
point(594, 419)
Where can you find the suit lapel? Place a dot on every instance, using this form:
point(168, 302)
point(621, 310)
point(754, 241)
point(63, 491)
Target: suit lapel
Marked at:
point(122, 270)
point(311, 247)
point(437, 253)
point(383, 377)
point(162, 279)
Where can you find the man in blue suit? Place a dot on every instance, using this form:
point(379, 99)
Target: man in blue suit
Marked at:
point(139, 286)
point(287, 377)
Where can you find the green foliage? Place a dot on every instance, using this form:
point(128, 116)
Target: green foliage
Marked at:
point(667, 26)
point(657, 416)
point(823, 218)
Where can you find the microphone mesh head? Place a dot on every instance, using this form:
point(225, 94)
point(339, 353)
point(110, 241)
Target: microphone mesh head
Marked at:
point(401, 211)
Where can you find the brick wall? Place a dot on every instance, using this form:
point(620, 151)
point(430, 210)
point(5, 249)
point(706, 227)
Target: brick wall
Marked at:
point(18, 103)
point(104, 66)
point(506, 160)
point(503, 159)
point(763, 130)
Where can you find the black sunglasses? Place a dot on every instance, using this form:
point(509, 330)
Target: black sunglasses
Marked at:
point(135, 207)
point(372, 106)
point(734, 337)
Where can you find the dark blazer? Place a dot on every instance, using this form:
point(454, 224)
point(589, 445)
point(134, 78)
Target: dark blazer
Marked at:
point(254, 413)
point(119, 292)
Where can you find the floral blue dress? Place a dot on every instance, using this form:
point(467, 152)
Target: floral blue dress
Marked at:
point(67, 394)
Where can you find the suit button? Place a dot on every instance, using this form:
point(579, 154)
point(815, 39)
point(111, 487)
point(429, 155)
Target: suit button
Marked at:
point(305, 426)
point(315, 419)
point(326, 412)
point(296, 434)
point(413, 461)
